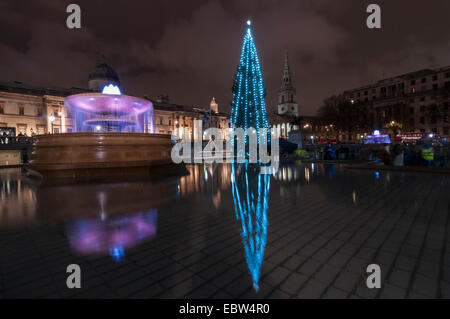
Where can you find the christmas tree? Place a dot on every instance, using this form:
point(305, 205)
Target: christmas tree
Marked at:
point(248, 108)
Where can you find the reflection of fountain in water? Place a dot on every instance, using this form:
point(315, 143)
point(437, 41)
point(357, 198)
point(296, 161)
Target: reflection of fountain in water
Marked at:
point(250, 191)
point(112, 235)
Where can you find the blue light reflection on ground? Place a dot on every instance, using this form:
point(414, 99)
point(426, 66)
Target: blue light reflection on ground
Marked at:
point(250, 191)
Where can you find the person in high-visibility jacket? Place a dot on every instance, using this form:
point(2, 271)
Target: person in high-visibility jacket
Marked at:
point(428, 154)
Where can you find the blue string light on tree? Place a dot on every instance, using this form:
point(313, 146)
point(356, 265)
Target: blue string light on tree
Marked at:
point(248, 107)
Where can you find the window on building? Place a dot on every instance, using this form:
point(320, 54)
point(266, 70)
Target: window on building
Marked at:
point(435, 87)
point(21, 110)
point(434, 77)
point(2, 110)
point(424, 80)
point(160, 121)
point(435, 130)
point(433, 120)
point(366, 92)
point(22, 128)
point(445, 118)
point(413, 82)
point(411, 110)
point(374, 91)
point(282, 99)
point(422, 98)
point(447, 75)
point(446, 130)
point(422, 120)
point(170, 122)
point(423, 108)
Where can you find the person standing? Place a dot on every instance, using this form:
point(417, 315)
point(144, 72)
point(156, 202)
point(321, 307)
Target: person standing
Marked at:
point(428, 154)
point(398, 154)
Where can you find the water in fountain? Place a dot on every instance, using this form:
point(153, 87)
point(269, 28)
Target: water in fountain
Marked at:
point(110, 111)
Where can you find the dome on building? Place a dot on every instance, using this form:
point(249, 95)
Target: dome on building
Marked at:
point(101, 76)
point(104, 72)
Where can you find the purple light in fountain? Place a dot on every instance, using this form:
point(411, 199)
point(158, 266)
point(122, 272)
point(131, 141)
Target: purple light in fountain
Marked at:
point(112, 235)
point(111, 111)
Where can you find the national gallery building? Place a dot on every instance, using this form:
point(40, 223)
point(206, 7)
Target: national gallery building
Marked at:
point(31, 110)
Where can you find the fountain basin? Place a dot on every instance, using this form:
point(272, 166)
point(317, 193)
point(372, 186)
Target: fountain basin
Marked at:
point(104, 154)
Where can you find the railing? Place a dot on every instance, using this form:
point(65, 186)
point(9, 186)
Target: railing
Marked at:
point(14, 140)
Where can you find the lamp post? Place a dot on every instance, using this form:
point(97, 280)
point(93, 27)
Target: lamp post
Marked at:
point(52, 119)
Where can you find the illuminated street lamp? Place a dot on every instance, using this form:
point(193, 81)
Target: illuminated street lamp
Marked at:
point(52, 119)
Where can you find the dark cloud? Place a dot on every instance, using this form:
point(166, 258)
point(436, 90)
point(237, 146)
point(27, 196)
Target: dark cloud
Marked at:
point(190, 49)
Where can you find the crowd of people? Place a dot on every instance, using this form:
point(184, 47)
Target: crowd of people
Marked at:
point(421, 153)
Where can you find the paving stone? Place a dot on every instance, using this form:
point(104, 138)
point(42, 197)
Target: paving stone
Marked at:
point(424, 285)
point(294, 262)
point(366, 293)
point(309, 267)
point(392, 292)
point(334, 293)
point(400, 278)
point(293, 283)
point(313, 289)
point(346, 281)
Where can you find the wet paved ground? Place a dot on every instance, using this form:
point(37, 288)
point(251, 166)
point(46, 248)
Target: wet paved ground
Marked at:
point(309, 232)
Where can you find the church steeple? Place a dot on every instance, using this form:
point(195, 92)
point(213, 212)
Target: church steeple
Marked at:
point(287, 81)
point(287, 100)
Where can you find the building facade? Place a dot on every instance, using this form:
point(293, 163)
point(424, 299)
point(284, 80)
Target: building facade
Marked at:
point(176, 119)
point(417, 102)
point(34, 110)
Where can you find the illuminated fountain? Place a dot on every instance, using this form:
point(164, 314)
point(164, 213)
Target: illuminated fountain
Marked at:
point(113, 136)
point(110, 111)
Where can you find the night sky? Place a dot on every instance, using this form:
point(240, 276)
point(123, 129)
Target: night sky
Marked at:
point(190, 49)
